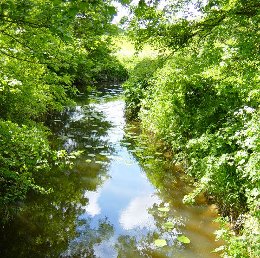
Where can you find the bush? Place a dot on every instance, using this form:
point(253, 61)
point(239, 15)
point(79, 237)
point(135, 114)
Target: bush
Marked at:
point(204, 103)
point(24, 151)
point(138, 82)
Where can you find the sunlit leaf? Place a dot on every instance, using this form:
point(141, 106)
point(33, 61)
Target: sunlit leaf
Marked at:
point(183, 239)
point(104, 154)
point(148, 157)
point(160, 242)
point(169, 225)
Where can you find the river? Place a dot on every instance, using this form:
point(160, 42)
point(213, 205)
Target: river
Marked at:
point(122, 198)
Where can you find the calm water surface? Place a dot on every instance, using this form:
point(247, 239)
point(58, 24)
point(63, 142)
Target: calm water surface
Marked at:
point(119, 198)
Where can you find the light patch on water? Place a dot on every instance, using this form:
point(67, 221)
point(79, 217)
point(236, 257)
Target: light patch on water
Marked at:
point(92, 208)
point(77, 115)
point(114, 113)
point(69, 144)
point(136, 215)
point(104, 249)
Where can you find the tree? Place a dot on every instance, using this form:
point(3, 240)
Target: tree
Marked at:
point(47, 48)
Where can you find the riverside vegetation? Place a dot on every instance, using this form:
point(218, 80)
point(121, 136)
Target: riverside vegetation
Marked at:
point(200, 95)
point(48, 50)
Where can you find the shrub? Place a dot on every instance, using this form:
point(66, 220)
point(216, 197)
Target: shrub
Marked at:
point(24, 151)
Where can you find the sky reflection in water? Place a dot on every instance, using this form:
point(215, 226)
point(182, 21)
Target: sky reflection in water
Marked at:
point(126, 199)
point(126, 196)
point(106, 206)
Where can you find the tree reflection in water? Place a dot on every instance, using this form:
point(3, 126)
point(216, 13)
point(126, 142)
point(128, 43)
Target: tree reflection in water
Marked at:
point(119, 198)
point(45, 224)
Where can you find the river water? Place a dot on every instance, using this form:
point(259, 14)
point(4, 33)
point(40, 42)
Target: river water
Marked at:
point(122, 198)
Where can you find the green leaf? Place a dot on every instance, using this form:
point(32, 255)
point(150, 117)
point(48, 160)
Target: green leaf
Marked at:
point(183, 239)
point(169, 225)
point(125, 1)
point(112, 10)
point(160, 242)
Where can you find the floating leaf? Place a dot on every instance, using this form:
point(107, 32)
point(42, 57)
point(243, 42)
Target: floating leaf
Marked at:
point(183, 239)
point(100, 147)
point(127, 143)
point(100, 162)
point(169, 225)
point(148, 157)
point(160, 242)
point(164, 209)
point(219, 249)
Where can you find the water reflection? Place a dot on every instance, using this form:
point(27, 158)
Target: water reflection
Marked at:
point(85, 245)
point(135, 214)
point(171, 185)
point(92, 208)
point(120, 196)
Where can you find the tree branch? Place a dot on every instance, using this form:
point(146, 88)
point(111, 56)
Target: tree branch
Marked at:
point(18, 58)
point(15, 21)
point(17, 40)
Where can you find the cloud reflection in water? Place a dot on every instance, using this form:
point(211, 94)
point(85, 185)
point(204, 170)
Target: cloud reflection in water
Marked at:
point(136, 213)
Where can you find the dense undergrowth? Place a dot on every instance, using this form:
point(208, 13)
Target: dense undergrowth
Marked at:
point(202, 100)
point(49, 50)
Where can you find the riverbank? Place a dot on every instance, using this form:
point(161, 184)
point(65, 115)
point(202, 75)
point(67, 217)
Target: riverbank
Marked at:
point(211, 126)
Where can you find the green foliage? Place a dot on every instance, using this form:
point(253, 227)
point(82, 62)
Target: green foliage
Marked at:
point(160, 242)
point(25, 155)
point(183, 239)
point(135, 86)
point(204, 102)
point(244, 245)
point(48, 49)
point(24, 151)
